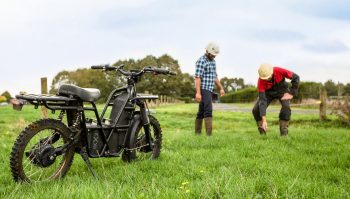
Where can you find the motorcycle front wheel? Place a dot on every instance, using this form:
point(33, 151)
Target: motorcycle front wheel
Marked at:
point(138, 147)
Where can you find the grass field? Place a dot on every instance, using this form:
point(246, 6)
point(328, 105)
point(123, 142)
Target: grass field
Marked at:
point(312, 162)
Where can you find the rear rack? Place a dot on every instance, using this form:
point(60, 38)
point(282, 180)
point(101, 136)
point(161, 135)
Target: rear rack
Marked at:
point(52, 102)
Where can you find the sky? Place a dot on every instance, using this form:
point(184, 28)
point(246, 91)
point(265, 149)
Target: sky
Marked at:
point(40, 38)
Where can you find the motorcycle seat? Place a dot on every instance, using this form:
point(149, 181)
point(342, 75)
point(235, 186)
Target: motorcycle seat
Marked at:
point(86, 94)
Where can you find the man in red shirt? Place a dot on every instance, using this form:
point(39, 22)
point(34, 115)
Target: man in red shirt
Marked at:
point(271, 86)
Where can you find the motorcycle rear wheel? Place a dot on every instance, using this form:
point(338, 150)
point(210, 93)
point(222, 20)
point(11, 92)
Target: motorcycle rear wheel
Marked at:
point(32, 158)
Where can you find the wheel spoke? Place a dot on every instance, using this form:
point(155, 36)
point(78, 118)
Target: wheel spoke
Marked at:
point(33, 173)
point(41, 173)
point(40, 144)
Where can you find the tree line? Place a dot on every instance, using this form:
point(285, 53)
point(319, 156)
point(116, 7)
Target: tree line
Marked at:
point(180, 86)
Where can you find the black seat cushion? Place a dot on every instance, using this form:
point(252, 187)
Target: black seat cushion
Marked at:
point(86, 94)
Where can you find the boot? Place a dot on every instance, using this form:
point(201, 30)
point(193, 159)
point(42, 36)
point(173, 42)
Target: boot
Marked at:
point(198, 126)
point(261, 130)
point(284, 127)
point(208, 125)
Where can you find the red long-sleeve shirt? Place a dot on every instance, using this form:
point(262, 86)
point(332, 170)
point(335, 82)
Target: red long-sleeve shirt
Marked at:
point(278, 75)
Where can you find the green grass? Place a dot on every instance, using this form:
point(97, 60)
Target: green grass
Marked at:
point(312, 162)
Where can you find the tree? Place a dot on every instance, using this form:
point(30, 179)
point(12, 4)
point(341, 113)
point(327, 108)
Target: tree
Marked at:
point(331, 88)
point(187, 88)
point(62, 77)
point(232, 84)
point(181, 85)
point(86, 78)
point(7, 95)
point(347, 89)
point(309, 90)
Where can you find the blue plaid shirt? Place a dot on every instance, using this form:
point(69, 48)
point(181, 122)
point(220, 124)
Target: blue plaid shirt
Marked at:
point(206, 70)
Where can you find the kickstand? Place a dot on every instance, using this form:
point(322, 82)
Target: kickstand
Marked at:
point(85, 157)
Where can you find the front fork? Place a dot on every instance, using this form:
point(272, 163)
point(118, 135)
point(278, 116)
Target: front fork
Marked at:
point(146, 125)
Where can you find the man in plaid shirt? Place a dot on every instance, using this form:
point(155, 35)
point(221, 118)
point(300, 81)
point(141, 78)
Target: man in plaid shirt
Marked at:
point(206, 76)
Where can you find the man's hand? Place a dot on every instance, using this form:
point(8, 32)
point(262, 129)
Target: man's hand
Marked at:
point(287, 96)
point(198, 97)
point(222, 92)
point(264, 123)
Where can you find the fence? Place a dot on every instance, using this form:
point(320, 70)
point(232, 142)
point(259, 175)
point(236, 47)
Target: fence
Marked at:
point(44, 91)
point(163, 99)
point(325, 103)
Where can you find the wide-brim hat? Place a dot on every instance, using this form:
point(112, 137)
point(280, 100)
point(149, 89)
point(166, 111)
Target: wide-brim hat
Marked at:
point(265, 71)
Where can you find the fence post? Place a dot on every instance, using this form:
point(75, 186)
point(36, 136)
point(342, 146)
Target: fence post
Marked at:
point(323, 105)
point(44, 91)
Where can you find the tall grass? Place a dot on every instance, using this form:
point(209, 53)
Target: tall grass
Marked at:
point(312, 162)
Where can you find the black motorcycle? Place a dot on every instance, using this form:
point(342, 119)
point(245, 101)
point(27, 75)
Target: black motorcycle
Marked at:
point(44, 150)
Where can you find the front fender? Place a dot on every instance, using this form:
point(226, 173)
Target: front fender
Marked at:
point(135, 123)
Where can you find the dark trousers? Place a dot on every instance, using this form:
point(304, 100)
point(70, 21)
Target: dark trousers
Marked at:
point(205, 106)
point(285, 111)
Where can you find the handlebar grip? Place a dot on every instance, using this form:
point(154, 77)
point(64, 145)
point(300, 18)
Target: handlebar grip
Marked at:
point(98, 67)
point(107, 67)
point(164, 71)
point(172, 73)
point(161, 70)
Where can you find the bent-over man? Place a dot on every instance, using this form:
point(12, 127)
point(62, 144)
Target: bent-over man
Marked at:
point(271, 86)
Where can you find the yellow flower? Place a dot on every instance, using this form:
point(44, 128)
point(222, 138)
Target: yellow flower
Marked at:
point(185, 183)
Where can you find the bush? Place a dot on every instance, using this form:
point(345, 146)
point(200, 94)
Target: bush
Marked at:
point(244, 95)
point(307, 90)
point(341, 108)
point(7, 95)
point(3, 99)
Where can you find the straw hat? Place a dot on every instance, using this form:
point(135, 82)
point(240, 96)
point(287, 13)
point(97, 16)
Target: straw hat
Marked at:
point(265, 71)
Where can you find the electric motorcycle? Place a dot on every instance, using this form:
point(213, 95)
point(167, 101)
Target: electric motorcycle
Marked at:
point(45, 149)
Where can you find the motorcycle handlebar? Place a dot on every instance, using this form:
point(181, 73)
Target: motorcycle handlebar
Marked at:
point(128, 73)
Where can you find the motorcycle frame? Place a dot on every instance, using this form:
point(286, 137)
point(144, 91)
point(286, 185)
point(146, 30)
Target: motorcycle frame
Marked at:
point(74, 107)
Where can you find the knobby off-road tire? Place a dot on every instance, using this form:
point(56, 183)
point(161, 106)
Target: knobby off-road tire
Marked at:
point(35, 137)
point(134, 150)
